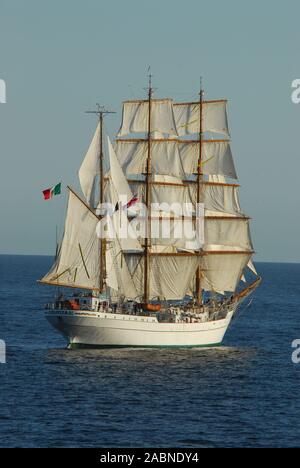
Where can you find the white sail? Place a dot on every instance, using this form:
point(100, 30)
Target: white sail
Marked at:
point(162, 193)
point(221, 198)
point(182, 233)
point(120, 239)
point(116, 228)
point(77, 264)
point(218, 179)
point(136, 117)
point(119, 234)
point(119, 186)
point(252, 267)
point(172, 162)
point(229, 233)
point(167, 231)
point(112, 280)
point(216, 158)
point(222, 272)
point(119, 279)
point(165, 157)
point(166, 278)
point(217, 198)
point(90, 168)
point(214, 118)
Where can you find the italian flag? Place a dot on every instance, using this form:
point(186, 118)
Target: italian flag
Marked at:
point(50, 192)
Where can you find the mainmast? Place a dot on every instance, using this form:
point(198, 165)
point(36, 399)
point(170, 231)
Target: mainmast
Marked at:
point(199, 185)
point(148, 200)
point(101, 112)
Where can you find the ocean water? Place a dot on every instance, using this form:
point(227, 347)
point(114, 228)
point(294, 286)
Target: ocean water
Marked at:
point(243, 394)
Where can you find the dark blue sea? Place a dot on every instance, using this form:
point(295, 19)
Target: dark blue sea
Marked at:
point(244, 394)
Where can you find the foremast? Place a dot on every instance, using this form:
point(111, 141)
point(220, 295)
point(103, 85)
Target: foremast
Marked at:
point(101, 112)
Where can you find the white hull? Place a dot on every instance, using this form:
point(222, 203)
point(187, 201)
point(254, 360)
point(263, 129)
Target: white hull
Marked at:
point(82, 328)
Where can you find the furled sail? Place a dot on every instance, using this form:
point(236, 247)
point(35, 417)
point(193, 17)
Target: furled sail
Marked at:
point(214, 117)
point(77, 264)
point(136, 117)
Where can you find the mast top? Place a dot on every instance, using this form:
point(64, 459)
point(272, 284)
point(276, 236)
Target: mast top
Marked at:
point(150, 89)
point(201, 93)
point(150, 78)
point(101, 111)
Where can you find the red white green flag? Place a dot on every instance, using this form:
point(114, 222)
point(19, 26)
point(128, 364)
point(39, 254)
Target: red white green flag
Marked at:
point(50, 192)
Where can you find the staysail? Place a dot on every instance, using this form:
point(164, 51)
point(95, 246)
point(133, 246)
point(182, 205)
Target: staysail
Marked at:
point(89, 169)
point(77, 263)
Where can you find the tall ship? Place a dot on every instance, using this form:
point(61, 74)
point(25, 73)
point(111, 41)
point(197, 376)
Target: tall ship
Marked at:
point(156, 249)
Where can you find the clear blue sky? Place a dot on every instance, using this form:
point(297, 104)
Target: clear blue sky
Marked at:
point(60, 57)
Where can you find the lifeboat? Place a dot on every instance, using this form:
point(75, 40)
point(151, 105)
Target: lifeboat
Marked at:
point(74, 305)
point(152, 307)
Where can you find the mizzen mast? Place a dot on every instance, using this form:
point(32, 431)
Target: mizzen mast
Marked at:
point(101, 112)
point(148, 199)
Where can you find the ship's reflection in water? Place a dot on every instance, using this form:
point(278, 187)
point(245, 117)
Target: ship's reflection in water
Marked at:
point(153, 357)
